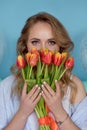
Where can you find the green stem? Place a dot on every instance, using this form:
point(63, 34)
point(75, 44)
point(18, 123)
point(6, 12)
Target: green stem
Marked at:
point(54, 78)
point(36, 110)
point(46, 72)
point(30, 72)
point(62, 74)
point(23, 74)
point(42, 68)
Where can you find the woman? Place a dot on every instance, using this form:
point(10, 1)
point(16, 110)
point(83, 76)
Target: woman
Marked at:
point(68, 104)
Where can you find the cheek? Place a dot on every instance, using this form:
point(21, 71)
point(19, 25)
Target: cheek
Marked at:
point(30, 46)
point(54, 48)
point(57, 48)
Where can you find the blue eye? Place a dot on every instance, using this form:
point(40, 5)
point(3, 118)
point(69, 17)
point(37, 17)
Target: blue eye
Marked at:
point(35, 42)
point(52, 42)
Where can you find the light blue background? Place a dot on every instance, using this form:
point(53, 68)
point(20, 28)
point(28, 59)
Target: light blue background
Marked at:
point(13, 14)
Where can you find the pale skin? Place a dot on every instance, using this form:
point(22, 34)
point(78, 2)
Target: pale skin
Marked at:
point(41, 36)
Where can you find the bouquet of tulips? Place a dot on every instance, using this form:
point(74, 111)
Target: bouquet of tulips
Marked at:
point(39, 66)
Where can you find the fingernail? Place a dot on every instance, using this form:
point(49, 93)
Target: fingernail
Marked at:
point(36, 85)
point(39, 88)
point(41, 92)
point(55, 81)
point(42, 85)
point(44, 82)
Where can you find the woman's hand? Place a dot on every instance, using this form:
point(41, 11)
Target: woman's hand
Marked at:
point(53, 100)
point(29, 101)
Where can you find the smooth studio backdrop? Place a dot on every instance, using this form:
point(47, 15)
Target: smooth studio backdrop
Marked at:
point(14, 13)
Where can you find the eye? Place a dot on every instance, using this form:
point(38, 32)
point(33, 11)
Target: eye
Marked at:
point(35, 42)
point(52, 43)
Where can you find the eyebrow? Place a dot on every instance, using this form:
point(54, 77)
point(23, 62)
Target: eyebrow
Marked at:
point(34, 39)
point(52, 39)
point(39, 39)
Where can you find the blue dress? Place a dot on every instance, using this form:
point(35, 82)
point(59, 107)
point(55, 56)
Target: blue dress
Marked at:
point(10, 104)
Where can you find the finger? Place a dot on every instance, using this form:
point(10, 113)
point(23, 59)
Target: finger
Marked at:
point(32, 91)
point(24, 90)
point(57, 88)
point(37, 99)
point(50, 90)
point(34, 96)
point(44, 96)
point(46, 93)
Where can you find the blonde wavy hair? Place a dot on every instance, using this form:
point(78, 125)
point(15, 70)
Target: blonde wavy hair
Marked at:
point(62, 39)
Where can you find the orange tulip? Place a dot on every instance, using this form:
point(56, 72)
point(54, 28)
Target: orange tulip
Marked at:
point(34, 51)
point(69, 63)
point(57, 59)
point(46, 56)
point(20, 62)
point(28, 55)
point(33, 60)
point(32, 57)
point(48, 120)
point(64, 55)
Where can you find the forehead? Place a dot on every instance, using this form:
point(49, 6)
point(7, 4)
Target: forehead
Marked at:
point(41, 28)
point(40, 24)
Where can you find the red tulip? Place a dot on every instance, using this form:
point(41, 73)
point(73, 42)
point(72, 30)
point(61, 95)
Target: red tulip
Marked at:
point(20, 62)
point(48, 120)
point(33, 60)
point(69, 63)
point(57, 59)
point(46, 56)
point(34, 51)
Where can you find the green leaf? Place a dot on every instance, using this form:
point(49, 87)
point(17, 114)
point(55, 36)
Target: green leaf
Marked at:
point(46, 71)
point(46, 80)
point(38, 68)
point(30, 82)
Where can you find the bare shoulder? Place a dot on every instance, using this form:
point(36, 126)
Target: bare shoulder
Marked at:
point(81, 93)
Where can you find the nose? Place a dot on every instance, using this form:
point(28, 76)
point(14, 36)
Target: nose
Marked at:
point(43, 45)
